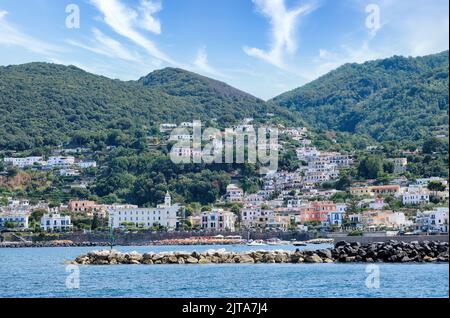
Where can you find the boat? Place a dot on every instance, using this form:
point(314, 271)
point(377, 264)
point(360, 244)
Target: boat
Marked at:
point(299, 244)
point(276, 241)
point(256, 243)
point(320, 241)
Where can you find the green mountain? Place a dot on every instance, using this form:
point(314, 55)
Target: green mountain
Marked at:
point(46, 104)
point(391, 99)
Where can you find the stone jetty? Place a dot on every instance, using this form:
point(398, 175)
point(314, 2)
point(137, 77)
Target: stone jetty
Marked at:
point(390, 252)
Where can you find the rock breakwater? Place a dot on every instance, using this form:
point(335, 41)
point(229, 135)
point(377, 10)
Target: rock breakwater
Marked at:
point(391, 252)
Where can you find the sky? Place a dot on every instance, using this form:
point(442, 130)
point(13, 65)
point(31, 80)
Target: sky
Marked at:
point(263, 47)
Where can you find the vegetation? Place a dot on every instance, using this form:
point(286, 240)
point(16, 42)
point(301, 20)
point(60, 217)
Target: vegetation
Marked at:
point(46, 104)
point(391, 99)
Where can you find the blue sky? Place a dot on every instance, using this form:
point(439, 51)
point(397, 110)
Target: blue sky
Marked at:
point(264, 47)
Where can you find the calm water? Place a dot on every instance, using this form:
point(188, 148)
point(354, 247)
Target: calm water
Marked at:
point(42, 273)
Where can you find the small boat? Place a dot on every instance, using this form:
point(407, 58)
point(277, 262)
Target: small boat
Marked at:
point(299, 244)
point(256, 243)
point(276, 241)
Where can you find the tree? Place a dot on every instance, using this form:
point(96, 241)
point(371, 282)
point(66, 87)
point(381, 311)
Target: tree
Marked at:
point(436, 186)
point(388, 166)
point(433, 145)
point(12, 172)
point(95, 222)
point(10, 225)
point(370, 167)
point(344, 182)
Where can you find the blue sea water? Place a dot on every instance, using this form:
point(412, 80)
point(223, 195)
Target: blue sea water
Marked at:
point(41, 272)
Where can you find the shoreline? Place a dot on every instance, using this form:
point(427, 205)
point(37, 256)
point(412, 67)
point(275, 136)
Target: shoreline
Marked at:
point(190, 242)
point(343, 252)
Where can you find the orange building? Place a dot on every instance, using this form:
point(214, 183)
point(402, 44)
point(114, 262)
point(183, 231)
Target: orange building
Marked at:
point(316, 211)
point(88, 207)
point(81, 205)
point(375, 190)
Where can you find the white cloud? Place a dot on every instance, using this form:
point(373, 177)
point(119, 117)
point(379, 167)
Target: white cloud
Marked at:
point(283, 22)
point(149, 22)
point(324, 53)
point(122, 20)
point(12, 36)
point(107, 46)
point(202, 65)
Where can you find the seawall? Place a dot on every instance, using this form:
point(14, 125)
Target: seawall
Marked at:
point(343, 252)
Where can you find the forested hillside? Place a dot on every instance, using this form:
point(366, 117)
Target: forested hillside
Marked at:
point(391, 99)
point(48, 104)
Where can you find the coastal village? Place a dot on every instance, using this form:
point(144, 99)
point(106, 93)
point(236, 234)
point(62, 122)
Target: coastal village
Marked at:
point(295, 201)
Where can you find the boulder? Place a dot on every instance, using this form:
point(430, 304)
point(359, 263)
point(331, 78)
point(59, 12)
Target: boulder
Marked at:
point(204, 260)
point(325, 253)
point(245, 258)
point(429, 259)
point(313, 259)
point(349, 259)
point(191, 260)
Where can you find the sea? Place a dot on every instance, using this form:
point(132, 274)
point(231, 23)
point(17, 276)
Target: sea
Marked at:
point(43, 273)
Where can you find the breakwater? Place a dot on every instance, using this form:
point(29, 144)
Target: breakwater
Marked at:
point(343, 252)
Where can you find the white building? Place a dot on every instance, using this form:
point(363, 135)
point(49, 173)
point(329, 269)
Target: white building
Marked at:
point(185, 152)
point(60, 161)
point(187, 124)
point(165, 215)
point(20, 220)
point(218, 220)
point(254, 199)
point(69, 173)
point(23, 162)
point(434, 221)
point(336, 217)
point(398, 220)
point(180, 137)
point(167, 127)
point(55, 222)
point(86, 164)
point(254, 216)
point(425, 181)
point(415, 195)
point(377, 204)
point(234, 193)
